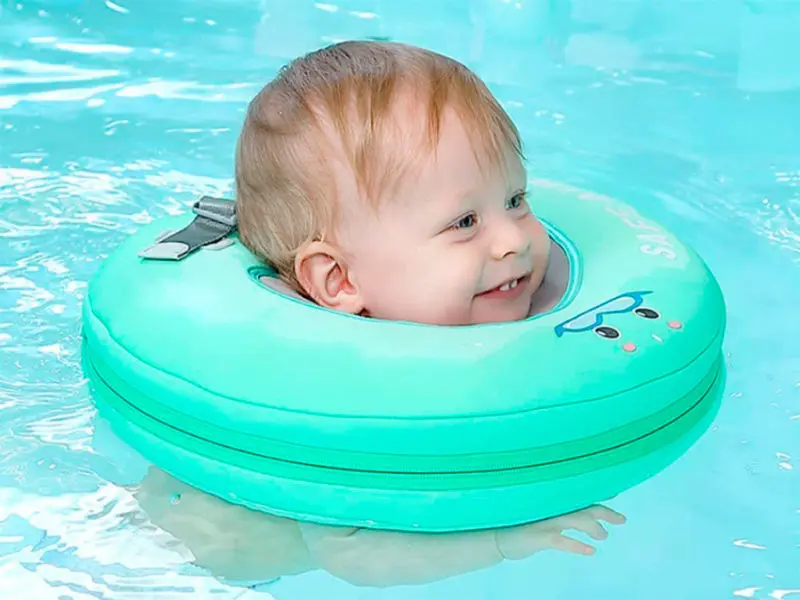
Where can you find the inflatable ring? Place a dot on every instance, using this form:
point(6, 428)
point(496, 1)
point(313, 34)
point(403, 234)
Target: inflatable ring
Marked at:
point(280, 405)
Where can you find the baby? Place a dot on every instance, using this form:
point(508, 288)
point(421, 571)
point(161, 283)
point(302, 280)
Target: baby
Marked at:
point(385, 180)
point(382, 180)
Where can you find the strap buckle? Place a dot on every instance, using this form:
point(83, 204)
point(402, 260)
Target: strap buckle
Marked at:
point(215, 219)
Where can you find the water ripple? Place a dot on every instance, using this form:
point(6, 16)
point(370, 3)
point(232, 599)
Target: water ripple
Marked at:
point(28, 71)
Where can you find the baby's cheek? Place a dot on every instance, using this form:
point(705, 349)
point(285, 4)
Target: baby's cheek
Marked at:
point(443, 299)
point(540, 241)
point(538, 230)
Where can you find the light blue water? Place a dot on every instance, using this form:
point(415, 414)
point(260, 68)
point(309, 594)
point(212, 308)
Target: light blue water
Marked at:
point(112, 114)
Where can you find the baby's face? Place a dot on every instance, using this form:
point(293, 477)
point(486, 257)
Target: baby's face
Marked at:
point(454, 246)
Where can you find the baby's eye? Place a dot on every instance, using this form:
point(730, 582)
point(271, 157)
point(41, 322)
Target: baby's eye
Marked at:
point(466, 222)
point(516, 201)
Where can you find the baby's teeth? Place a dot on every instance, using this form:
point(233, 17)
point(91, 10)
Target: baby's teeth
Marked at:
point(509, 286)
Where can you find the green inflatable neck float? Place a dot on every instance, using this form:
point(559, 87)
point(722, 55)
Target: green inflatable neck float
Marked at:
point(272, 402)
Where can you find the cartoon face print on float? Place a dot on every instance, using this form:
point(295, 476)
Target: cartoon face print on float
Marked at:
point(594, 320)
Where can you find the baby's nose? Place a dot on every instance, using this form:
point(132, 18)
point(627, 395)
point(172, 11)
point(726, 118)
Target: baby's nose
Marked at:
point(510, 238)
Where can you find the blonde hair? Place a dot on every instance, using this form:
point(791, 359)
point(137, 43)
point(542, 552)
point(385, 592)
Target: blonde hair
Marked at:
point(284, 194)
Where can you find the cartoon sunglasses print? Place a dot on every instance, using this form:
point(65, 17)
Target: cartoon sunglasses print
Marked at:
point(592, 319)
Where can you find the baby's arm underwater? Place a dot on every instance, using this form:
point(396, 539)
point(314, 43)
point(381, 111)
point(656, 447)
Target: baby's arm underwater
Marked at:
point(238, 544)
point(384, 558)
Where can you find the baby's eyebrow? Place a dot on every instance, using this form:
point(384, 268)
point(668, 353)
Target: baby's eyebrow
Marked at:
point(455, 202)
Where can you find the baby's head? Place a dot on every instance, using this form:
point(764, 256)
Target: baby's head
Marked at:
point(385, 180)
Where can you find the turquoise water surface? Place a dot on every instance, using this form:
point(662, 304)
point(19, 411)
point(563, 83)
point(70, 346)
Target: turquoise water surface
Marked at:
point(115, 113)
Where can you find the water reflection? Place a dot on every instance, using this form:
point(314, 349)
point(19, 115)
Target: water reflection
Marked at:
point(237, 544)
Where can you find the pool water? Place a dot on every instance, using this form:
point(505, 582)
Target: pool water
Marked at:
point(116, 113)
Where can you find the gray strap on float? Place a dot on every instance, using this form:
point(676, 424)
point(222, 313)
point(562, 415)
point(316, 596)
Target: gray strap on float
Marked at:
point(215, 219)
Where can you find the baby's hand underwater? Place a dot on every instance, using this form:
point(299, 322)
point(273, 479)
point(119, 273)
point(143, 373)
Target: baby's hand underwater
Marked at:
point(519, 542)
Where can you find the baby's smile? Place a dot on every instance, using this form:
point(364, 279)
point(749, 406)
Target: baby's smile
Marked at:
point(510, 289)
point(510, 300)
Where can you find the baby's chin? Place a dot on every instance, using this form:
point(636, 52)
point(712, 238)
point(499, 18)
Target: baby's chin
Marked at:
point(516, 311)
point(482, 318)
point(485, 312)
point(501, 316)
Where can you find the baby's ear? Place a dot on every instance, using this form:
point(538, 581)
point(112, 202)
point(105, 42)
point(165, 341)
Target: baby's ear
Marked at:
point(322, 271)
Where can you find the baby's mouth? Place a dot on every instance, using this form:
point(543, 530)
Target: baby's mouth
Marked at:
point(510, 285)
point(506, 287)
